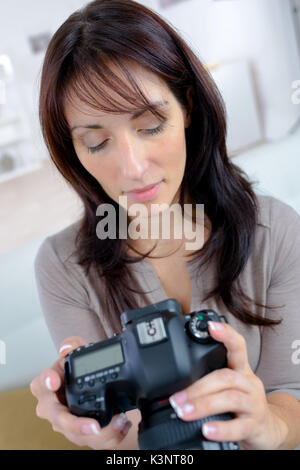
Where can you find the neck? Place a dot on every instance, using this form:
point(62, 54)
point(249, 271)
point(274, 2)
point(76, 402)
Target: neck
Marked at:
point(172, 232)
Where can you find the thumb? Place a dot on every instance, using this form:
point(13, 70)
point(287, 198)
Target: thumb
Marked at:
point(69, 344)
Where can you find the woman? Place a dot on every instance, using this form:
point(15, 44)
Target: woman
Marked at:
point(125, 104)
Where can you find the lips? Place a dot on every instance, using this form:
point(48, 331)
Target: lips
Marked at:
point(146, 194)
point(143, 189)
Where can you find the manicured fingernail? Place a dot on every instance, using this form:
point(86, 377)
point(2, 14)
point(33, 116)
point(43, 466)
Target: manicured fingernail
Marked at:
point(187, 408)
point(90, 429)
point(215, 326)
point(126, 428)
point(175, 407)
point(48, 384)
point(183, 410)
point(177, 410)
point(178, 398)
point(208, 430)
point(120, 422)
point(65, 348)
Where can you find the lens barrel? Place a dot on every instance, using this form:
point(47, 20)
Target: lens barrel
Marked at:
point(163, 430)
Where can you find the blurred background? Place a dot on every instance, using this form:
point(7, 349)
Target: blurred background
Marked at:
point(252, 50)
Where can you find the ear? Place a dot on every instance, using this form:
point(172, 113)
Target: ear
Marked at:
point(188, 110)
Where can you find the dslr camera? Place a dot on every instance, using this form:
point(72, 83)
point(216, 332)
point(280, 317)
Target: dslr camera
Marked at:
point(160, 352)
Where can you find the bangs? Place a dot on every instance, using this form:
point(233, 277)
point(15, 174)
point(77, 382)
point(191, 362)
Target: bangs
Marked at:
point(94, 83)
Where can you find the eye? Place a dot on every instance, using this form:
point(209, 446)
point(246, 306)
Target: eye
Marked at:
point(98, 148)
point(154, 131)
point(158, 129)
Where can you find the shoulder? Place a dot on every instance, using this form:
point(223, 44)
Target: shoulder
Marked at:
point(277, 239)
point(275, 214)
point(60, 246)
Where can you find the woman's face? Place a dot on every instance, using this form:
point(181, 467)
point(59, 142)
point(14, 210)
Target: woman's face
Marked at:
point(124, 152)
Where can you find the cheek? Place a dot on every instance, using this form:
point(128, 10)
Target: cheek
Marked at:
point(90, 162)
point(105, 175)
point(172, 151)
point(101, 171)
point(89, 166)
point(86, 161)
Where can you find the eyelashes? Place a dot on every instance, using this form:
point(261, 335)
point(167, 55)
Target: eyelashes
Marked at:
point(154, 131)
point(98, 148)
point(157, 130)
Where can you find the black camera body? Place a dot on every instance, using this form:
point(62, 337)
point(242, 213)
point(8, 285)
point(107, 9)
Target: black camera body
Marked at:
point(159, 352)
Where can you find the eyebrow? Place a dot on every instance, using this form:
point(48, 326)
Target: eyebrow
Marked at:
point(155, 105)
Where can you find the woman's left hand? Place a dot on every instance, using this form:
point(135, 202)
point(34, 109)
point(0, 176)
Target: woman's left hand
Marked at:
point(233, 389)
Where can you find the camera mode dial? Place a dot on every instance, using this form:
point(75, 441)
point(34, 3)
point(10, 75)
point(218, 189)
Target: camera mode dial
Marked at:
point(197, 326)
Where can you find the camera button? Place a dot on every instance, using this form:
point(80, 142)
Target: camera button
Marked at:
point(114, 375)
point(79, 383)
point(85, 398)
point(100, 402)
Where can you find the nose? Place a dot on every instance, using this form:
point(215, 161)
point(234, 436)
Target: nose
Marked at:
point(133, 161)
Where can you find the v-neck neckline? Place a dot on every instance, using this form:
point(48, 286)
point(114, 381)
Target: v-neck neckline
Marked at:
point(157, 293)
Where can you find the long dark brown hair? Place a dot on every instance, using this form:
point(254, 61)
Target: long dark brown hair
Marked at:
point(119, 32)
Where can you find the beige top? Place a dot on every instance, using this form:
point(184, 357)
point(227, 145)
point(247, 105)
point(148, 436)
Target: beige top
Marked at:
point(73, 303)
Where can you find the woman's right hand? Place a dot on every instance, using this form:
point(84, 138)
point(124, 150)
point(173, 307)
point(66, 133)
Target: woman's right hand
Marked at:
point(48, 388)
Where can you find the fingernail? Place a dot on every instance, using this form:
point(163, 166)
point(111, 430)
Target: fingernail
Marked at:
point(120, 422)
point(48, 384)
point(176, 408)
point(178, 398)
point(208, 430)
point(187, 408)
point(126, 428)
point(215, 326)
point(65, 347)
point(90, 429)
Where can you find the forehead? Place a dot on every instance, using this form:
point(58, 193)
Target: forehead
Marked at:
point(97, 98)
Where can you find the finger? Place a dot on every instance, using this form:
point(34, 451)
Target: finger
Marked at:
point(216, 381)
point(63, 421)
point(100, 441)
point(46, 383)
point(49, 408)
point(233, 430)
point(66, 422)
point(118, 436)
point(50, 383)
point(69, 344)
point(237, 356)
point(117, 430)
point(228, 401)
point(83, 427)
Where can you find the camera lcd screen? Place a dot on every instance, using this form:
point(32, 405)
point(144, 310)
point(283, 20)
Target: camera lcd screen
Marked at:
point(98, 360)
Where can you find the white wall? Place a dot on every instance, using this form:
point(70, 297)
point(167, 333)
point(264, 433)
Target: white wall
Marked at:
point(258, 30)
point(18, 21)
